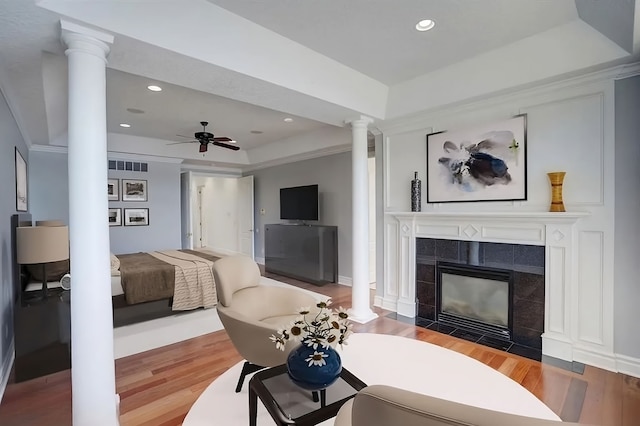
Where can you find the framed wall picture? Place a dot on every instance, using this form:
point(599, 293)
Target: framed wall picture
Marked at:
point(22, 204)
point(113, 189)
point(136, 217)
point(484, 163)
point(115, 217)
point(134, 190)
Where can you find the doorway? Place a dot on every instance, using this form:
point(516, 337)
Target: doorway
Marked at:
point(221, 211)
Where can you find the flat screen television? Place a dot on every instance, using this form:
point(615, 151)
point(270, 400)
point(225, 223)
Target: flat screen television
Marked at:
point(299, 203)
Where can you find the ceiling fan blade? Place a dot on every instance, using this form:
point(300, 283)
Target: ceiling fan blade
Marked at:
point(224, 145)
point(176, 143)
point(183, 136)
point(222, 139)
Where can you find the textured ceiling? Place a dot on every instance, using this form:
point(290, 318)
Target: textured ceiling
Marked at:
point(378, 38)
point(245, 65)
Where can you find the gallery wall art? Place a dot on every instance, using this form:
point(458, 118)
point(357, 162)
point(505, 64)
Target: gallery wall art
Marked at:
point(21, 183)
point(484, 163)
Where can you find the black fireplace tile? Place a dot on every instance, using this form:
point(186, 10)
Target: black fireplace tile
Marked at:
point(447, 250)
point(498, 253)
point(466, 335)
point(421, 322)
point(528, 314)
point(527, 337)
point(426, 311)
point(425, 247)
point(442, 328)
point(492, 342)
point(528, 286)
point(426, 292)
point(426, 273)
point(529, 255)
point(526, 351)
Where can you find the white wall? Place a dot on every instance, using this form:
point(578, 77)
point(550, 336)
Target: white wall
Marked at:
point(570, 128)
point(220, 212)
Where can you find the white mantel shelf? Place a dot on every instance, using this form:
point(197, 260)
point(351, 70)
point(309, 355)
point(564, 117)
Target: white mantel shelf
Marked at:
point(500, 215)
point(556, 231)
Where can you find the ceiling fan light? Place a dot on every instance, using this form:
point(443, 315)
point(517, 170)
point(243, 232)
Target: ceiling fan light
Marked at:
point(203, 147)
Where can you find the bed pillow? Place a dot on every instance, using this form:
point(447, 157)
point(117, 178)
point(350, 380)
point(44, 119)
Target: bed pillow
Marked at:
point(115, 264)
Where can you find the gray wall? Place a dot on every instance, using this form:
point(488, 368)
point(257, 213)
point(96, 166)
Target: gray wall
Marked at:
point(627, 221)
point(49, 180)
point(163, 232)
point(10, 139)
point(333, 176)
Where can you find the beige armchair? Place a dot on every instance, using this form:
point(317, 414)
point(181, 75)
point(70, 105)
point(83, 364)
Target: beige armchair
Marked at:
point(251, 312)
point(388, 406)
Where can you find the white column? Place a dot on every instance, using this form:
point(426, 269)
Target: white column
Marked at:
point(93, 366)
point(360, 306)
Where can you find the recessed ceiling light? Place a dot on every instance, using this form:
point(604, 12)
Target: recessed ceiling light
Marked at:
point(154, 88)
point(135, 111)
point(257, 132)
point(425, 25)
point(125, 125)
point(288, 120)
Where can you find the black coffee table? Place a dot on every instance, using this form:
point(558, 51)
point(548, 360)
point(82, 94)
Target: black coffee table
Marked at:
point(289, 404)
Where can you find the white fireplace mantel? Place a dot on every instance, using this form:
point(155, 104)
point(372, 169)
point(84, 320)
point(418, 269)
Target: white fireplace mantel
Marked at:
point(555, 231)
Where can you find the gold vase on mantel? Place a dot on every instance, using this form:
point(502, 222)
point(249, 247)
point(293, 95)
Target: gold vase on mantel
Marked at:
point(556, 179)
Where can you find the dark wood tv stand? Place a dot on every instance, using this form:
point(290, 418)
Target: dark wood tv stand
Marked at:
point(305, 252)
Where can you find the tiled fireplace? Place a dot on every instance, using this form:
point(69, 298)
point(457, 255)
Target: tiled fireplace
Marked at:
point(490, 293)
point(552, 261)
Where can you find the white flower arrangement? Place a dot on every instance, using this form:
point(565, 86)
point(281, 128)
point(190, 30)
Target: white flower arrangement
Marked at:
point(325, 328)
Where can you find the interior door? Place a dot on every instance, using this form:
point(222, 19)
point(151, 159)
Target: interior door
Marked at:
point(245, 215)
point(185, 210)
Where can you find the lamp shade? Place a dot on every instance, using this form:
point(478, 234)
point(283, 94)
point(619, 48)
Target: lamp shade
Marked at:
point(42, 244)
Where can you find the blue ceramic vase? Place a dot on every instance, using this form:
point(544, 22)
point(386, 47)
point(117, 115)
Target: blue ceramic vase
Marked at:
point(313, 377)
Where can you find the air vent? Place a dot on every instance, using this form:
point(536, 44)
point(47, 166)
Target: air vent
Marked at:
point(128, 165)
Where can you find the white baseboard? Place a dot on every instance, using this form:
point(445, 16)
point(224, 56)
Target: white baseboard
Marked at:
point(628, 365)
point(6, 369)
point(259, 260)
point(606, 361)
point(384, 303)
point(345, 280)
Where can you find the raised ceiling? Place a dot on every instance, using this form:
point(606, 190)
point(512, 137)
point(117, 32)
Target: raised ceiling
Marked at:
point(246, 65)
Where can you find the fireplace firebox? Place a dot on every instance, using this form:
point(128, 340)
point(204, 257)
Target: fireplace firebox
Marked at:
point(499, 274)
point(475, 298)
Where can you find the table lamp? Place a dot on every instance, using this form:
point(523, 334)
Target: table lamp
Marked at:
point(41, 245)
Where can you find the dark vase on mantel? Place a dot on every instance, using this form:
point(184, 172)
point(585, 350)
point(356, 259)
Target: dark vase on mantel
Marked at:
point(416, 191)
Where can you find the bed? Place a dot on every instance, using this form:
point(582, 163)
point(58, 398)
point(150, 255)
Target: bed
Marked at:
point(149, 285)
point(144, 286)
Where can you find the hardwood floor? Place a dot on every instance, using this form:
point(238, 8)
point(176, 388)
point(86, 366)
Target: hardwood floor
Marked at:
point(159, 386)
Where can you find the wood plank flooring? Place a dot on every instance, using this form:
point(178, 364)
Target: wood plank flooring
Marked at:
point(158, 387)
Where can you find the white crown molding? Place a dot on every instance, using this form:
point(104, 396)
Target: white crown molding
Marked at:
point(142, 157)
point(298, 157)
point(629, 70)
point(111, 155)
point(49, 148)
point(415, 121)
point(211, 170)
